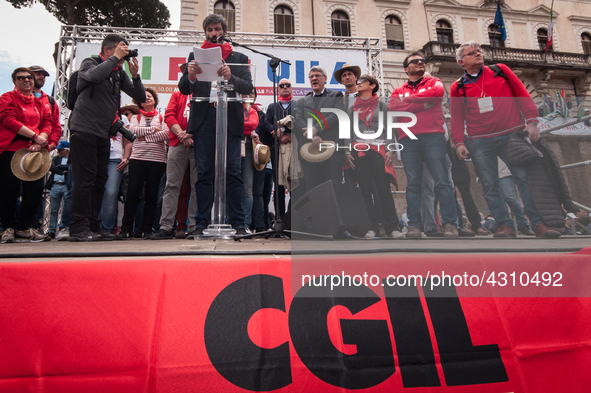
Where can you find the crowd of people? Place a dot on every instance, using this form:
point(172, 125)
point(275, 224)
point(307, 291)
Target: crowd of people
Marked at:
point(163, 165)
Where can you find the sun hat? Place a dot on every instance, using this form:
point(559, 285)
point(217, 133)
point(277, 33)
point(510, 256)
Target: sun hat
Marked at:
point(346, 67)
point(30, 166)
point(311, 153)
point(260, 156)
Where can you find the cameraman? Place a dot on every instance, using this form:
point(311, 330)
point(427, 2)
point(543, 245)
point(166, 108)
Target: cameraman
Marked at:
point(100, 81)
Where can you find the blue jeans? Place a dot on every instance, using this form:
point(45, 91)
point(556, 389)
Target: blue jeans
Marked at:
point(428, 149)
point(429, 201)
point(252, 194)
point(484, 154)
point(59, 191)
point(508, 191)
point(111, 197)
point(204, 139)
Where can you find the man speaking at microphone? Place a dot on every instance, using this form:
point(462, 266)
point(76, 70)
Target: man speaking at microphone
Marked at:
point(202, 125)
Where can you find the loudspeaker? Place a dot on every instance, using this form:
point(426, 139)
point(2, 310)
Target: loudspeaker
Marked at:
point(331, 208)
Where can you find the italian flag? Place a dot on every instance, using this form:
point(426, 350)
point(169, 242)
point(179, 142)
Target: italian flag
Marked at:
point(550, 29)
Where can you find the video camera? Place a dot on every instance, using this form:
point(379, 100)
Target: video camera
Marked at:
point(132, 53)
point(118, 127)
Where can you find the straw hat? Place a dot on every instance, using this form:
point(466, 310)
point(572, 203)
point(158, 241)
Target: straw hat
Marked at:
point(354, 69)
point(30, 166)
point(131, 107)
point(312, 153)
point(260, 156)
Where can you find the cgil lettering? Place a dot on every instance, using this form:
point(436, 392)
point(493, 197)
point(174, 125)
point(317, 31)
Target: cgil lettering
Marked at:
point(254, 368)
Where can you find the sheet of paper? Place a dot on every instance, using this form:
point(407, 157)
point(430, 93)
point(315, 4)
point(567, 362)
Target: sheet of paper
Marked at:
point(210, 61)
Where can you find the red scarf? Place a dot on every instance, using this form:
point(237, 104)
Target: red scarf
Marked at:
point(226, 48)
point(366, 108)
point(24, 98)
point(149, 114)
point(102, 57)
point(285, 99)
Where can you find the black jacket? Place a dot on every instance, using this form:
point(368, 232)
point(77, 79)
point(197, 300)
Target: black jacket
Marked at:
point(329, 99)
point(241, 79)
point(544, 178)
point(57, 167)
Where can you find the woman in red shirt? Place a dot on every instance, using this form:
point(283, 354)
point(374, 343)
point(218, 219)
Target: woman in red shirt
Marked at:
point(25, 123)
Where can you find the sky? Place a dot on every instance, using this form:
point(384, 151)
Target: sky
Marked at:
point(34, 45)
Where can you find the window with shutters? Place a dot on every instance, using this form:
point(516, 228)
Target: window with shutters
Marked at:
point(444, 31)
point(394, 33)
point(543, 39)
point(226, 9)
point(341, 26)
point(495, 37)
point(586, 41)
point(283, 18)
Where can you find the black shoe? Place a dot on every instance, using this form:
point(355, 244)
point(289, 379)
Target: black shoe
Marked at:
point(124, 235)
point(241, 232)
point(84, 237)
point(434, 233)
point(464, 233)
point(526, 230)
point(51, 235)
point(107, 237)
point(162, 234)
point(259, 230)
point(195, 232)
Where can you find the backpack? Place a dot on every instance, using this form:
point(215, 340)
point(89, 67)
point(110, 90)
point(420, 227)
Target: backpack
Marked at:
point(72, 92)
point(51, 102)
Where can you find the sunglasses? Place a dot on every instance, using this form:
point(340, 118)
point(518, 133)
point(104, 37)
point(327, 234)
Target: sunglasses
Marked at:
point(22, 77)
point(416, 61)
point(284, 85)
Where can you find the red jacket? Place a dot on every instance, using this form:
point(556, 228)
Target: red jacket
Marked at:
point(56, 127)
point(251, 120)
point(17, 111)
point(509, 114)
point(413, 99)
point(177, 112)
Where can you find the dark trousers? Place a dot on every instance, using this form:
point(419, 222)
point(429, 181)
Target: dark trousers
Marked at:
point(469, 204)
point(371, 165)
point(317, 173)
point(279, 190)
point(139, 171)
point(204, 149)
point(31, 197)
point(89, 156)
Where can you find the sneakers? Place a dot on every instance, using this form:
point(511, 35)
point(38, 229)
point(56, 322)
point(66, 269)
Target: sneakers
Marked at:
point(8, 236)
point(465, 233)
point(434, 233)
point(526, 230)
point(413, 232)
point(179, 234)
point(370, 235)
point(195, 232)
point(84, 237)
point(396, 234)
point(32, 234)
point(543, 230)
point(63, 235)
point(505, 231)
point(450, 231)
point(163, 234)
point(481, 232)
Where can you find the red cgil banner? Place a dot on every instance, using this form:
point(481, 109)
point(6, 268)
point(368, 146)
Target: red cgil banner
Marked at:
point(233, 325)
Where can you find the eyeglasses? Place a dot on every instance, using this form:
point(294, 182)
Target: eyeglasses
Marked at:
point(473, 52)
point(315, 76)
point(417, 61)
point(361, 80)
point(23, 77)
point(284, 85)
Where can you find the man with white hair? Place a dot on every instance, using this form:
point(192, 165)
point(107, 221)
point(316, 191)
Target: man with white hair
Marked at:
point(316, 173)
point(493, 103)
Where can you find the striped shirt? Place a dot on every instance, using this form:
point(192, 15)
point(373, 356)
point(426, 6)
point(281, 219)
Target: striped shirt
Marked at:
point(154, 147)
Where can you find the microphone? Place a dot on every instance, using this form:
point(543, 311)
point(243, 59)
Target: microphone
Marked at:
point(221, 38)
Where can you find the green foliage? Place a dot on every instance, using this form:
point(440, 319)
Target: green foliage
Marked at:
point(129, 13)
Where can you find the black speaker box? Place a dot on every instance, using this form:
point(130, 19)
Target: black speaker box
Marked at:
point(331, 208)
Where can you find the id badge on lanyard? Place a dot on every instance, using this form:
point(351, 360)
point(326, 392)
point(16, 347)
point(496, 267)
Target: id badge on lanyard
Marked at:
point(485, 104)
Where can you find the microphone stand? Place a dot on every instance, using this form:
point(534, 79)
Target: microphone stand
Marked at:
point(278, 227)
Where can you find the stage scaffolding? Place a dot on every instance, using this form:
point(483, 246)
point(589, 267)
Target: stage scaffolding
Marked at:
point(70, 36)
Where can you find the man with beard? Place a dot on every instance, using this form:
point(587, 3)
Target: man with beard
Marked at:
point(422, 95)
point(49, 102)
point(202, 125)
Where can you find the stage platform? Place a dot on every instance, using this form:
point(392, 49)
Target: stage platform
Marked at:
point(285, 246)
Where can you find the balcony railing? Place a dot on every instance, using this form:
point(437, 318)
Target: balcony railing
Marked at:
point(513, 57)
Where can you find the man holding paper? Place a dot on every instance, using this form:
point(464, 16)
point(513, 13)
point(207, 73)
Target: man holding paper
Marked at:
point(202, 123)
